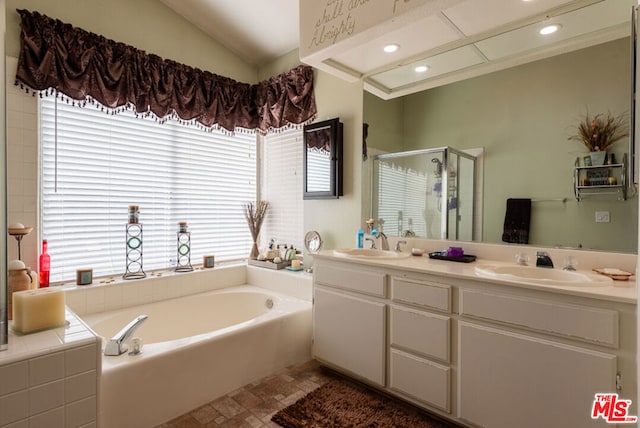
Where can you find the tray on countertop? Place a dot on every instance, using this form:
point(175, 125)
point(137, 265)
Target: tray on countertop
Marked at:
point(615, 274)
point(269, 264)
point(442, 255)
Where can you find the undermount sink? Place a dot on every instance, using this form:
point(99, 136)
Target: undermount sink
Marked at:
point(543, 275)
point(369, 253)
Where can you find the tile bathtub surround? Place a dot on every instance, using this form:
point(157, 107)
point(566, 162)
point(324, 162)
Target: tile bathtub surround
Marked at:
point(29, 346)
point(22, 166)
point(57, 390)
point(101, 297)
point(49, 379)
point(254, 404)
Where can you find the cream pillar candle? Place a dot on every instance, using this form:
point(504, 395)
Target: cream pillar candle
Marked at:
point(40, 309)
point(295, 264)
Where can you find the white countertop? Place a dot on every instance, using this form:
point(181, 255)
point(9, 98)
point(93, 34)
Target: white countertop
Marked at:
point(23, 346)
point(617, 291)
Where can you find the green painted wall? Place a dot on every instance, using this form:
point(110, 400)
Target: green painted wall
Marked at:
point(522, 117)
point(337, 220)
point(146, 24)
point(386, 122)
point(279, 65)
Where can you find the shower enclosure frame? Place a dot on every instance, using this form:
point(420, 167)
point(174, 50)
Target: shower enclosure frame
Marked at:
point(446, 151)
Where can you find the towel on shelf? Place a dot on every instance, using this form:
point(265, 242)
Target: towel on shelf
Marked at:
point(516, 221)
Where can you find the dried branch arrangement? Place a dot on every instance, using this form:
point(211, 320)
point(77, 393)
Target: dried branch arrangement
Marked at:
point(254, 213)
point(599, 132)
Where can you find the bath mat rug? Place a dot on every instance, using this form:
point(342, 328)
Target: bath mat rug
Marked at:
point(341, 404)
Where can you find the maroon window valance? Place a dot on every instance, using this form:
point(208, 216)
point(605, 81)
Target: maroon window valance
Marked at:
point(83, 65)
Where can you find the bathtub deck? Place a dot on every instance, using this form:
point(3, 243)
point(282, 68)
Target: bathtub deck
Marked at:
point(253, 405)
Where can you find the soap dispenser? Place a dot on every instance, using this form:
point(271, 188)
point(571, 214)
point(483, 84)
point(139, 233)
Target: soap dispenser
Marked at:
point(360, 240)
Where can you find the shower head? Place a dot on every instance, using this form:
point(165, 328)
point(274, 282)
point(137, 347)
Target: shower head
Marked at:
point(438, 163)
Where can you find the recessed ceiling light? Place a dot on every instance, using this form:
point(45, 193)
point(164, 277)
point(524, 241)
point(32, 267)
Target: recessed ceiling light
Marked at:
point(391, 48)
point(549, 29)
point(421, 68)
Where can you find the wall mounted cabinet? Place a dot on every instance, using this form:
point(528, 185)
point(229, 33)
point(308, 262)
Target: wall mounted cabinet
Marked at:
point(600, 180)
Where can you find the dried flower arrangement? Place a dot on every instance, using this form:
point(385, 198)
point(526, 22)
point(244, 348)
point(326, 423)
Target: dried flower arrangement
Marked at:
point(254, 213)
point(599, 132)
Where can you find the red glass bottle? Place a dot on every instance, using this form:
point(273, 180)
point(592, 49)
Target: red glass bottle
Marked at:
point(45, 265)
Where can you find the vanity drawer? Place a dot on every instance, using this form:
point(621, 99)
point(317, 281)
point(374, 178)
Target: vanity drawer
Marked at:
point(421, 293)
point(360, 280)
point(577, 322)
point(421, 332)
point(420, 379)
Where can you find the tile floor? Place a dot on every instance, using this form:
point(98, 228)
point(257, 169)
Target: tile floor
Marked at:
point(253, 405)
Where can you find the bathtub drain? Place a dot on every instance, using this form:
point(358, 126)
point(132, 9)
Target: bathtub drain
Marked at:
point(269, 303)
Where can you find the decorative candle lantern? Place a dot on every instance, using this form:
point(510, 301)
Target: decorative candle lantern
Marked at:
point(184, 248)
point(133, 236)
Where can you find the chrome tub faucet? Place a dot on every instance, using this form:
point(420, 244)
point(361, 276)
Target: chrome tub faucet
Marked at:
point(118, 343)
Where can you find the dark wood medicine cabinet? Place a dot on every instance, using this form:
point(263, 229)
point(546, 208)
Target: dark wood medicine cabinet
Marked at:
point(322, 165)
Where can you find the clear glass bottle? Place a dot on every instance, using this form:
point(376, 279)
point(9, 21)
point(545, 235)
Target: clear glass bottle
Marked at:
point(45, 265)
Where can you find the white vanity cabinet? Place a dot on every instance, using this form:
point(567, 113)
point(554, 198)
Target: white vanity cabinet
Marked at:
point(419, 341)
point(508, 379)
point(482, 353)
point(349, 316)
point(541, 358)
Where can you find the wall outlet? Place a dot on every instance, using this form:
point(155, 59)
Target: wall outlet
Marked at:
point(602, 217)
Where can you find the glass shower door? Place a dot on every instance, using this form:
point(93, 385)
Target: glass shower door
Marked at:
point(424, 193)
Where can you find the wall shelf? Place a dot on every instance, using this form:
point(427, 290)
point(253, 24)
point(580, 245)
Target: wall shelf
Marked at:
point(600, 180)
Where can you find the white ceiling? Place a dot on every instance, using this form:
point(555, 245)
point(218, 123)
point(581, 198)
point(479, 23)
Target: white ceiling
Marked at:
point(256, 30)
point(506, 44)
point(459, 41)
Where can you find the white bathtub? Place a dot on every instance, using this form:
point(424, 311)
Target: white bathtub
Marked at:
point(197, 348)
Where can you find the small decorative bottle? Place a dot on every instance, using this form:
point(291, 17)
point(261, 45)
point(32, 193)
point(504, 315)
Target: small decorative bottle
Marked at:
point(45, 265)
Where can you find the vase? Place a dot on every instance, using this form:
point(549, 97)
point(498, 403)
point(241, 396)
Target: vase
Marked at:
point(254, 251)
point(598, 158)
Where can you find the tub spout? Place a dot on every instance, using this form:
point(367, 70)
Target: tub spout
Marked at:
point(117, 344)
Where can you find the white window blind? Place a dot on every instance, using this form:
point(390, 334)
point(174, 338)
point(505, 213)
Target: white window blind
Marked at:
point(100, 164)
point(282, 188)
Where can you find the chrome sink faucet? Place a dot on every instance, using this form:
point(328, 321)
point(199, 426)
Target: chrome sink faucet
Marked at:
point(373, 233)
point(117, 345)
point(398, 249)
point(543, 260)
point(371, 239)
point(522, 259)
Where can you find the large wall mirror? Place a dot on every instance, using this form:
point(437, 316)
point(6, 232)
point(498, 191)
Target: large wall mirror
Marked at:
point(522, 116)
point(323, 160)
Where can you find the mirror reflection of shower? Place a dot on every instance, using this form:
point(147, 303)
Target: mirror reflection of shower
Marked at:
point(437, 186)
point(425, 193)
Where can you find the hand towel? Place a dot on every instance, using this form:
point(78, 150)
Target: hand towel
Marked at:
point(516, 221)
